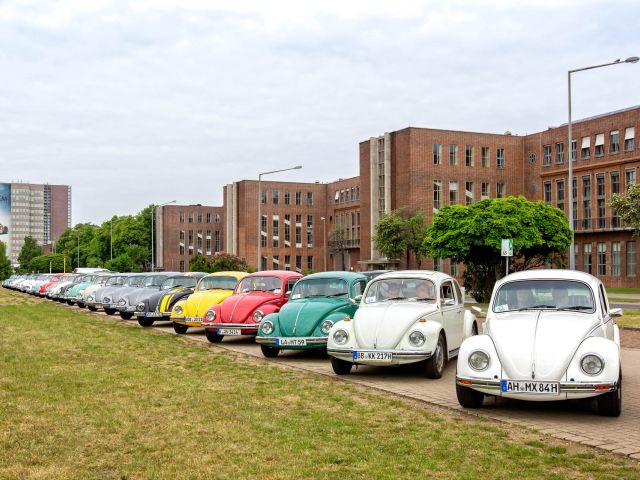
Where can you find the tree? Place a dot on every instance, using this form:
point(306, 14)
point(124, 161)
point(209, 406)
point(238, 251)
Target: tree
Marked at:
point(200, 263)
point(29, 251)
point(222, 262)
point(627, 207)
point(5, 264)
point(53, 262)
point(338, 243)
point(399, 233)
point(122, 263)
point(473, 235)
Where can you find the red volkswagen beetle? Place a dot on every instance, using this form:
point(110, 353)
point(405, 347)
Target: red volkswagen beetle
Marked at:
point(42, 290)
point(255, 296)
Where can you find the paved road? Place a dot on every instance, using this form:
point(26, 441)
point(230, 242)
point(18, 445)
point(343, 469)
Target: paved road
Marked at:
point(574, 421)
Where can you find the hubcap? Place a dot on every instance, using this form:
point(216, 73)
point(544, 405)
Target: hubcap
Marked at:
point(439, 357)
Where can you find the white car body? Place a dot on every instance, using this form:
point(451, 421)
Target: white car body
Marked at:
point(536, 347)
point(380, 331)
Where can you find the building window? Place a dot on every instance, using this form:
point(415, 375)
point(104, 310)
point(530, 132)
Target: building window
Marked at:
point(263, 231)
point(602, 258)
point(546, 155)
point(181, 217)
point(453, 193)
point(485, 193)
point(287, 198)
point(560, 152)
point(468, 155)
point(547, 193)
point(299, 263)
point(574, 194)
point(310, 263)
point(586, 254)
point(600, 200)
point(560, 195)
point(629, 177)
point(181, 242)
point(631, 258)
point(287, 262)
point(309, 231)
point(453, 154)
point(298, 198)
point(629, 135)
point(437, 194)
point(615, 259)
point(585, 152)
point(276, 231)
point(437, 153)
point(190, 242)
point(276, 262)
point(298, 231)
point(208, 218)
point(199, 242)
point(574, 150)
point(287, 230)
point(468, 193)
point(199, 217)
point(208, 243)
point(586, 203)
point(599, 145)
point(263, 263)
point(614, 141)
point(615, 189)
point(309, 199)
point(217, 218)
point(453, 269)
point(182, 265)
point(190, 217)
point(500, 190)
point(484, 153)
point(275, 195)
point(263, 197)
point(217, 241)
point(437, 264)
point(500, 158)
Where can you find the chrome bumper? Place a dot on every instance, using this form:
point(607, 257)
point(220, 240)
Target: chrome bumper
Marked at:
point(565, 387)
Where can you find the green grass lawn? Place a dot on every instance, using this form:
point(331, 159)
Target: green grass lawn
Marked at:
point(623, 290)
point(87, 397)
point(630, 318)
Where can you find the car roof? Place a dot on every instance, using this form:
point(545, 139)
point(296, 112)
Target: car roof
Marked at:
point(551, 274)
point(276, 273)
point(417, 274)
point(232, 273)
point(350, 276)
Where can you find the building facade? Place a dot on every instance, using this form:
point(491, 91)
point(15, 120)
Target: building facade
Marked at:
point(41, 211)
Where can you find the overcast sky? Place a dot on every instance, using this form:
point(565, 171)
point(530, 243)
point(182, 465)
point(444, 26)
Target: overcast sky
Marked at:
point(144, 102)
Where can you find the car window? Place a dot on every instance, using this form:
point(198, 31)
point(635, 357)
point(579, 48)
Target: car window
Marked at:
point(447, 292)
point(260, 284)
point(400, 289)
point(320, 287)
point(603, 299)
point(544, 294)
point(290, 284)
point(458, 292)
point(358, 287)
point(217, 283)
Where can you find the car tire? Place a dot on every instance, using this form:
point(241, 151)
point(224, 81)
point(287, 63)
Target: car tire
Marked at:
point(69, 302)
point(109, 311)
point(126, 315)
point(80, 305)
point(434, 366)
point(269, 352)
point(213, 337)
point(180, 329)
point(145, 322)
point(610, 404)
point(340, 367)
point(468, 397)
point(92, 309)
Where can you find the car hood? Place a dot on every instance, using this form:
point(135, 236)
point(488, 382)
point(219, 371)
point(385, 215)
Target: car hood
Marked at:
point(123, 292)
point(106, 291)
point(199, 302)
point(382, 325)
point(539, 344)
point(140, 294)
point(91, 289)
point(239, 308)
point(300, 318)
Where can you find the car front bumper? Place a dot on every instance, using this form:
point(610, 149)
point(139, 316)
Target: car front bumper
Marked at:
point(398, 357)
point(247, 328)
point(310, 342)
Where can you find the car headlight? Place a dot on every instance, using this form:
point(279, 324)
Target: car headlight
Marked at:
point(257, 316)
point(267, 327)
point(416, 339)
point(89, 298)
point(326, 326)
point(479, 360)
point(79, 295)
point(106, 299)
point(177, 310)
point(140, 307)
point(210, 315)
point(121, 303)
point(592, 364)
point(340, 337)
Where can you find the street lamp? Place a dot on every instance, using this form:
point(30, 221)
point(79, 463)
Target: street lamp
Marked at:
point(572, 260)
point(153, 214)
point(78, 237)
point(324, 242)
point(297, 167)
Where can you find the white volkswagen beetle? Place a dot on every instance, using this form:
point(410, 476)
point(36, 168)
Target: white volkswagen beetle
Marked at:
point(549, 335)
point(404, 317)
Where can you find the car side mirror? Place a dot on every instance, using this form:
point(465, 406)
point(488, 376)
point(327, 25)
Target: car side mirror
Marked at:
point(447, 302)
point(615, 312)
point(477, 310)
point(355, 300)
point(287, 293)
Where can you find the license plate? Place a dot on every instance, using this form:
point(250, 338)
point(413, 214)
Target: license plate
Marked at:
point(229, 331)
point(382, 357)
point(519, 386)
point(291, 342)
point(153, 314)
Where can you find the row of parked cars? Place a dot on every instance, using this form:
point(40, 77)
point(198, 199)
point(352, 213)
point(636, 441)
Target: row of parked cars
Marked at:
point(548, 334)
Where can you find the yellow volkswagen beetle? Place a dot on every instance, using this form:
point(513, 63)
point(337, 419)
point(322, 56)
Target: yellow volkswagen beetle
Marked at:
point(211, 290)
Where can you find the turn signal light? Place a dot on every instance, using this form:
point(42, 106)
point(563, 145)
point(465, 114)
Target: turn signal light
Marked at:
point(465, 382)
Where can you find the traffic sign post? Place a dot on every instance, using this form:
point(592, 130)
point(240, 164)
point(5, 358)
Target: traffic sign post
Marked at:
point(507, 251)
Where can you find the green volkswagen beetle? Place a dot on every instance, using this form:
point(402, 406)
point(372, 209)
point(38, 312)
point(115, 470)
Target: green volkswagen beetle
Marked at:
point(316, 302)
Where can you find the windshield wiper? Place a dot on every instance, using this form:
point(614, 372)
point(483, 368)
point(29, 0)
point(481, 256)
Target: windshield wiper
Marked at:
point(394, 298)
point(576, 307)
point(419, 299)
point(536, 306)
point(336, 294)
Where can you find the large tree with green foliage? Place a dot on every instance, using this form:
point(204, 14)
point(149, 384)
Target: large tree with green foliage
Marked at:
point(29, 251)
point(399, 233)
point(221, 262)
point(53, 262)
point(627, 207)
point(5, 264)
point(473, 235)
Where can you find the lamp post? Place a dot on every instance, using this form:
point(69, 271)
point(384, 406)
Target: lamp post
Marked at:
point(111, 238)
point(153, 214)
point(324, 242)
point(78, 237)
point(572, 259)
point(297, 167)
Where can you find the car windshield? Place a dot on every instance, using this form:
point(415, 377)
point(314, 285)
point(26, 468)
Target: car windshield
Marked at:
point(116, 280)
point(172, 282)
point(320, 287)
point(134, 281)
point(217, 283)
point(414, 289)
point(260, 284)
point(544, 294)
point(154, 280)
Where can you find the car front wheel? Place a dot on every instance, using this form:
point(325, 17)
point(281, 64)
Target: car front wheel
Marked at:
point(434, 366)
point(340, 367)
point(269, 352)
point(180, 329)
point(468, 397)
point(610, 404)
point(212, 336)
point(126, 315)
point(93, 309)
point(109, 311)
point(145, 322)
